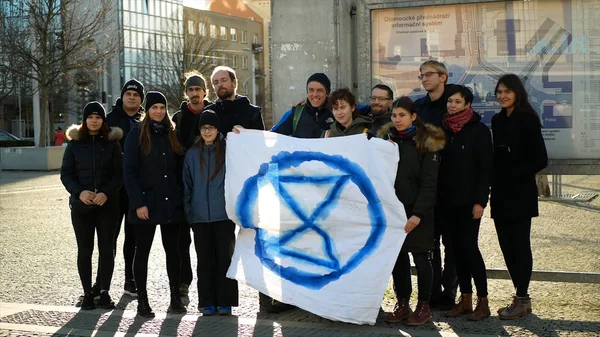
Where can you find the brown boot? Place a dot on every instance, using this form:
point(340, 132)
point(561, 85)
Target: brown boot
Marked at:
point(464, 306)
point(421, 316)
point(482, 310)
point(520, 307)
point(401, 311)
point(528, 306)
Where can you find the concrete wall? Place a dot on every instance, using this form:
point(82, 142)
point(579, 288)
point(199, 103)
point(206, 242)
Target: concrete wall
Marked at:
point(31, 158)
point(308, 37)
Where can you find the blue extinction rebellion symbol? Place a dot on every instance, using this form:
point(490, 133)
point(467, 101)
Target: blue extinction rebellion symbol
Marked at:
point(266, 244)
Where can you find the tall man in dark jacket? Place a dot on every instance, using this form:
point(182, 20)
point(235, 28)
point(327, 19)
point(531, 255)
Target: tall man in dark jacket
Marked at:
point(185, 121)
point(125, 114)
point(232, 109)
point(312, 118)
point(431, 107)
point(380, 108)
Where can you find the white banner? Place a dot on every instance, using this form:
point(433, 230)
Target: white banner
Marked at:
point(321, 226)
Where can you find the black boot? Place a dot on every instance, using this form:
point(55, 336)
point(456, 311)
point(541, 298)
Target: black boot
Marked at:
point(176, 307)
point(143, 308)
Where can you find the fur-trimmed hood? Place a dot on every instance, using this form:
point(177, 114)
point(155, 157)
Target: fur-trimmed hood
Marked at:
point(74, 133)
point(435, 141)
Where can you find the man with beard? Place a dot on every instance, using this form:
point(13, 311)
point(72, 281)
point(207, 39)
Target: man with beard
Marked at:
point(430, 108)
point(232, 109)
point(380, 109)
point(310, 118)
point(125, 114)
point(185, 120)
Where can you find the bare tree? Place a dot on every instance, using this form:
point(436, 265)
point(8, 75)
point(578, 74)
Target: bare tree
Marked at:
point(187, 51)
point(54, 38)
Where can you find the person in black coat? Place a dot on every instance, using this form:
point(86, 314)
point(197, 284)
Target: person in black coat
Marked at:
point(92, 172)
point(415, 187)
point(463, 189)
point(185, 119)
point(519, 153)
point(152, 172)
point(126, 114)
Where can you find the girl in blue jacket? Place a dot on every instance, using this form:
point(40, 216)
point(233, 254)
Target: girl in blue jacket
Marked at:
point(204, 205)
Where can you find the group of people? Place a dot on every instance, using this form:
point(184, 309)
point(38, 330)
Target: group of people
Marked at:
point(172, 171)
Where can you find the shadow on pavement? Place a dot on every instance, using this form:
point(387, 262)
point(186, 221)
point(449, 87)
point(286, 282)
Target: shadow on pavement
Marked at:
point(222, 326)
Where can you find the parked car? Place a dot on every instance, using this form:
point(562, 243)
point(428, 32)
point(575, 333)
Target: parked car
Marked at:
point(4, 135)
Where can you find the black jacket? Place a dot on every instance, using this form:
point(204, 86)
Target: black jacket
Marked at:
point(119, 118)
point(416, 181)
point(519, 153)
point(312, 123)
point(236, 112)
point(92, 164)
point(466, 167)
point(154, 180)
point(378, 120)
point(185, 121)
point(431, 112)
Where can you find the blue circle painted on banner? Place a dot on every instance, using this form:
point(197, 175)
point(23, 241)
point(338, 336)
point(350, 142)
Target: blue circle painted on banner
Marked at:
point(268, 247)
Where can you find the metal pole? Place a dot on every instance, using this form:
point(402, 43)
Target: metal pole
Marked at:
point(253, 80)
point(20, 128)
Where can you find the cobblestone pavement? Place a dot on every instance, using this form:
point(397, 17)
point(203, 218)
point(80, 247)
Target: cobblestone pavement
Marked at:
point(39, 283)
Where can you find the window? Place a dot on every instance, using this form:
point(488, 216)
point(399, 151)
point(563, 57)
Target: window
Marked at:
point(233, 33)
point(191, 26)
point(223, 33)
point(202, 29)
point(234, 61)
point(224, 60)
point(213, 31)
point(244, 36)
point(214, 58)
point(255, 39)
point(244, 62)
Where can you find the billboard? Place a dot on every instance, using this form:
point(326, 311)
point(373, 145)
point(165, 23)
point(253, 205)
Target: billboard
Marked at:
point(554, 46)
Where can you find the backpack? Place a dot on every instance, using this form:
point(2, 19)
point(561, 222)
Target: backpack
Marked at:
point(296, 118)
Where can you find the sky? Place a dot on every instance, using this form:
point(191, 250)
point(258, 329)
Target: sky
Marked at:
point(198, 4)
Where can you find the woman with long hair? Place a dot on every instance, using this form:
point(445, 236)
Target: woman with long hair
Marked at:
point(519, 153)
point(463, 190)
point(348, 120)
point(415, 187)
point(204, 203)
point(152, 172)
point(92, 172)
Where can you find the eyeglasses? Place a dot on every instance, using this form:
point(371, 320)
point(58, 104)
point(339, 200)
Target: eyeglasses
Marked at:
point(379, 99)
point(428, 74)
point(208, 129)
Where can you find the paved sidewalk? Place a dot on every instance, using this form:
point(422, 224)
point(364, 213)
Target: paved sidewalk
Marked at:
point(39, 283)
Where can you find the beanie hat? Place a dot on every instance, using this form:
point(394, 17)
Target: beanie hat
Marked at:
point(134, 85)
point(154, 97)
point(195, 81)
point(209, 117)
point(321, 78)
point(94, 108)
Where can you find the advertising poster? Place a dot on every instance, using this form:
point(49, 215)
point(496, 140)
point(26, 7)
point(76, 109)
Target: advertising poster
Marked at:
point(554, 46)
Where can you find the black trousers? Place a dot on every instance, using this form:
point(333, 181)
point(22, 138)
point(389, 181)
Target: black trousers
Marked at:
point(185, 241)
point(144, 235)
point(445, 277)
point(464, 233)
point(215, 242)
point(129, 242)
point(514, 237)
point(402, 280)
point(102, 221)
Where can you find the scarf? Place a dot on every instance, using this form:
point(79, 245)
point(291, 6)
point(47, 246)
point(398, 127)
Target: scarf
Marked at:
point(403, 134)
point(457, 121)
point(158, 128)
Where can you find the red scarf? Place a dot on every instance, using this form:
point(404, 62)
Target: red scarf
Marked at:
point(457, 121)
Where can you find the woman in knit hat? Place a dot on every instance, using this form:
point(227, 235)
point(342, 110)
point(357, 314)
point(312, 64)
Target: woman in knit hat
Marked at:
point(92, 172)
point(152, 174)
point(204, 202)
